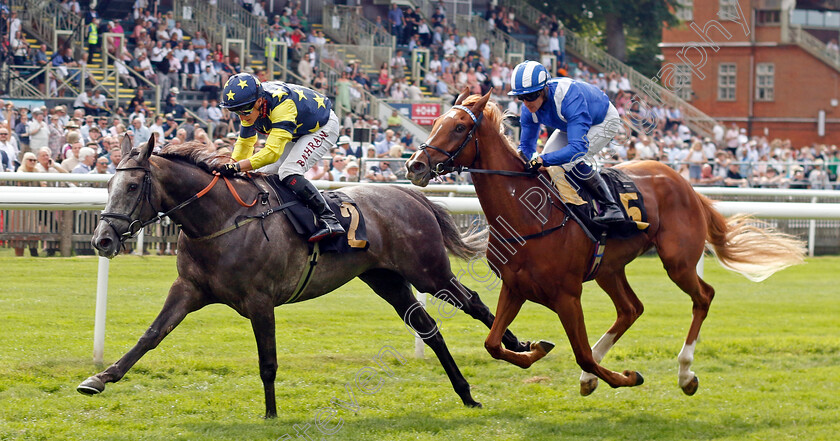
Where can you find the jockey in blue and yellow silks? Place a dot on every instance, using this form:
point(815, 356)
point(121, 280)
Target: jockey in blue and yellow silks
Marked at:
point(301, 128)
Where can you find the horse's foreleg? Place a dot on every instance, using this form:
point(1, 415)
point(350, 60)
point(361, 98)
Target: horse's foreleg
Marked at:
point(506, 310)
point(468, 301)
point(183, 299)
point(262, 321)
point(569, 310)
point(628, 308)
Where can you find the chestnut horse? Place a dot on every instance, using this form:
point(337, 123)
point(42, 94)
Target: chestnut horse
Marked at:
point(553, 257)
point(238, 267)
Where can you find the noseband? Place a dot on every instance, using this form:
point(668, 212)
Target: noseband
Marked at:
point(136, 225)
point(447, 166)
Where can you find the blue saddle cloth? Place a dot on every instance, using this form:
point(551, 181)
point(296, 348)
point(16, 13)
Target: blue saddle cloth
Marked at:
point(305, 221)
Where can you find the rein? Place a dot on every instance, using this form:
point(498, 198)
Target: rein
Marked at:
point(447, 166)
point(136, 225)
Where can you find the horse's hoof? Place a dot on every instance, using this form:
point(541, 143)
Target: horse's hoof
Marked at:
point(474, 404)
point(91, 386)
point(588, 386)
point(692, 386)
point(640, 380)
point(545, 346)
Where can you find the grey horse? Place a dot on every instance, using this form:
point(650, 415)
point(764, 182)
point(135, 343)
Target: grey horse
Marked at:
point(238, 267)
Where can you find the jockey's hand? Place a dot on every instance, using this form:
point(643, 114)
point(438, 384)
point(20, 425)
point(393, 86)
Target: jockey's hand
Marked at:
point(229, 169)
point(533, 166)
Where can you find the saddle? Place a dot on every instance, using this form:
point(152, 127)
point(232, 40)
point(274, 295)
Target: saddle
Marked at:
point(583, 205)
point(304, 220)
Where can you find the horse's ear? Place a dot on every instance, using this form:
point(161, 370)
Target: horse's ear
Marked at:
point(125, 146)
point(150, 146)
point(462, 96)
point(478, 107)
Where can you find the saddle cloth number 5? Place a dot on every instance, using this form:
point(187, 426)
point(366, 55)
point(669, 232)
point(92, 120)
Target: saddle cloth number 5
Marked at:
point(634, 212)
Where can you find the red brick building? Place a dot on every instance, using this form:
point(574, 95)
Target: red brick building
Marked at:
point(762, 64)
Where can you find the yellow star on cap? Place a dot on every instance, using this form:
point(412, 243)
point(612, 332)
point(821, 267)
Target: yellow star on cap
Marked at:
point(227, 82)
point(301, 96)
point(230, 95)
point(242, 83)
point(316, 128)
point(320, 101)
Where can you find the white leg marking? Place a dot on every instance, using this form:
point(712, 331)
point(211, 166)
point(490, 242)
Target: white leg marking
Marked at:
point(685, 358)
point(604, 344)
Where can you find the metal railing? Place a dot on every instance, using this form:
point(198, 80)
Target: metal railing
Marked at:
point(219, 23)
point(43, 18)
point(501, 44)
point(344, 24)
point(813, 45)
point(655, 93)
point(376, 106)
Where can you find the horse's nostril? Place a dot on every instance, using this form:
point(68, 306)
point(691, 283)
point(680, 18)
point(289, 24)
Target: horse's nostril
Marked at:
point(105, 243)
point(417, 166)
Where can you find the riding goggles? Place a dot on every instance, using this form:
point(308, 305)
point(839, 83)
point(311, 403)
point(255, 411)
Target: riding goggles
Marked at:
point(244, 110)
point(530, 96)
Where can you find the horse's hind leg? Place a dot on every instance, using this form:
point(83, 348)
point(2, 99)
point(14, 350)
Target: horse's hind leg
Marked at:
point(396, 290)
point(628, 308)
point(183, 299)
point(681, 265)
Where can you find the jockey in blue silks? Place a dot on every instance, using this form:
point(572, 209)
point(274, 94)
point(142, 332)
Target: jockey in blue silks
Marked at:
point(585, 122)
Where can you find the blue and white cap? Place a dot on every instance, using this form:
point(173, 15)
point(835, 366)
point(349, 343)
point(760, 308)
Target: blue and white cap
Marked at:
point(528, 77)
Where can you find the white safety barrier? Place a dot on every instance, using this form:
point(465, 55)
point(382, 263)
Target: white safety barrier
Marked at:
point(80, 198)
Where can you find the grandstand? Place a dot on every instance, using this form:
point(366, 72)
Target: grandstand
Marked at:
point(386, 64)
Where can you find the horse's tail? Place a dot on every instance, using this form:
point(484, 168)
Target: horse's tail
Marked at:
point(748, 246)
point(465, 246)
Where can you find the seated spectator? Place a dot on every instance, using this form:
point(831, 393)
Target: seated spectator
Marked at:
point(87, 157)
point(210, 83)
point(45, 162)
point(173, 107)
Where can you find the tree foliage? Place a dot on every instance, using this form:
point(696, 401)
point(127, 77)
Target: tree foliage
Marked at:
point(627, 30)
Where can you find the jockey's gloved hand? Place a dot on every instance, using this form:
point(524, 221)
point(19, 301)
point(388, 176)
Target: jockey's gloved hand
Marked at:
point(533, 166)
point(229, 169)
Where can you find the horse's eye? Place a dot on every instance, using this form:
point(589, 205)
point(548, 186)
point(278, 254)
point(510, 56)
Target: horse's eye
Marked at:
point(133, 187)
point(460, 128)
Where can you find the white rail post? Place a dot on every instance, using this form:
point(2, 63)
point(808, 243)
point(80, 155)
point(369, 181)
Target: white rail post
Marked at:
point(138, 251)
point(101, 309)
point(419, 345)
point(812, 232)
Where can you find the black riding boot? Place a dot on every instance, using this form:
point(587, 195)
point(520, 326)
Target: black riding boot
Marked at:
point(315, 201)
point(610, 211)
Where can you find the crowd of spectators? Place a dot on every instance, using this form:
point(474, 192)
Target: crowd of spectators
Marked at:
point(158, 49)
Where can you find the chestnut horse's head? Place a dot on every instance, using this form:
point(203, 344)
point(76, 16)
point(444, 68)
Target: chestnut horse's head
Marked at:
point(451, 143)
point(129, 199)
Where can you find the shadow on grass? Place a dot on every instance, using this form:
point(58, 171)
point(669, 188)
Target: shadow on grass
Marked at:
point(485, 425)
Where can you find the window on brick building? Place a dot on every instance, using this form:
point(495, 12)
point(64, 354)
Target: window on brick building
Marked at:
point(765, 82)
point(682, 80)
point(768, 17)
point(685, 10)
point(726, 82)
point(728, 9)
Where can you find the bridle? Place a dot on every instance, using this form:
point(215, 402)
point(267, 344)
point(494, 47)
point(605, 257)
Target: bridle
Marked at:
point(136, 225)
point(447, 166)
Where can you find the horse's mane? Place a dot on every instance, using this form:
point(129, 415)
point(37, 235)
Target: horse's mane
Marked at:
point(193, 152)
point(493, 115)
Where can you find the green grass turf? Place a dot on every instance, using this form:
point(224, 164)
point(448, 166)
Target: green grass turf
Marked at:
point(768, 362)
